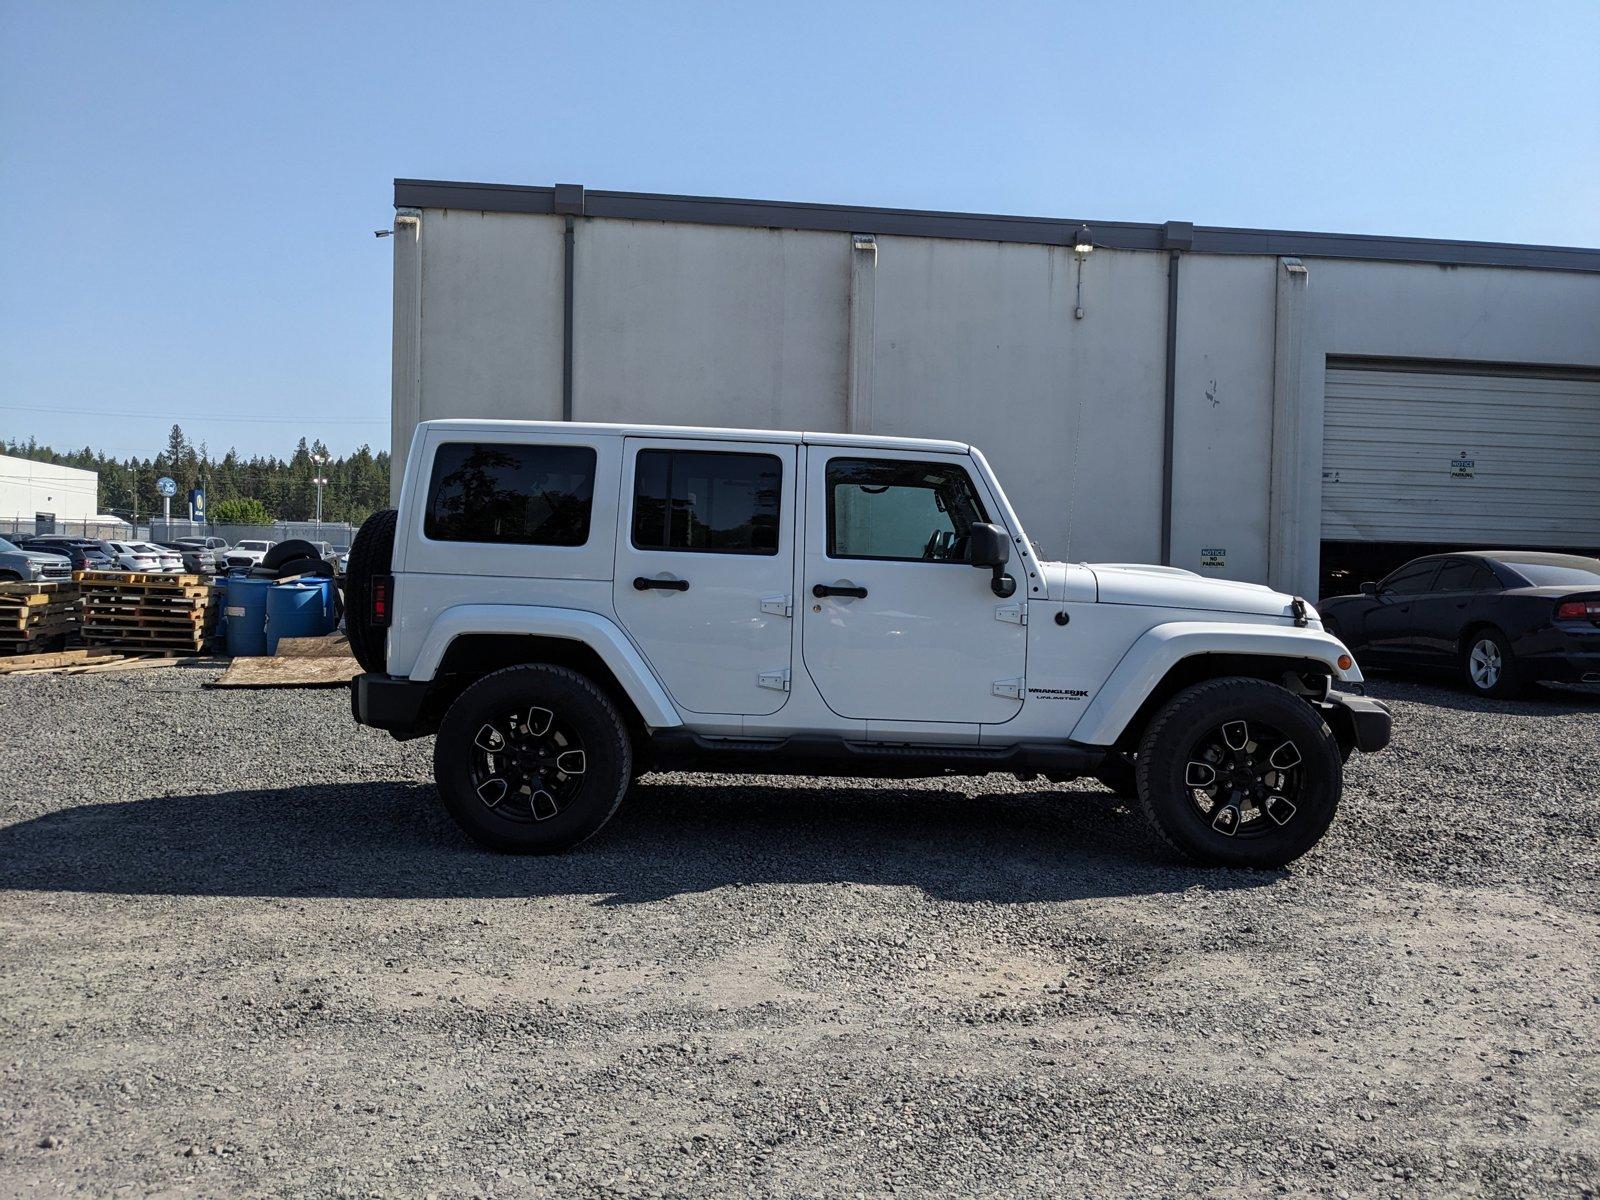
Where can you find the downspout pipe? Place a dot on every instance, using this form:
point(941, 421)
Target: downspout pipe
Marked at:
point(1176, 237)
point(568, 205)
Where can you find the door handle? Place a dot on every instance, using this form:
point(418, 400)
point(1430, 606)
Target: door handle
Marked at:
point(640, 584)
point(820, 590)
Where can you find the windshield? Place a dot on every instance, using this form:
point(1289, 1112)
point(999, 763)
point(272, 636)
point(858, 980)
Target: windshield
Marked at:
point(1577, 572)
point(6, 547)
point(252, 546)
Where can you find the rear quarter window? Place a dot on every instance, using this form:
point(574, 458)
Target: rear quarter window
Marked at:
point(521, 494)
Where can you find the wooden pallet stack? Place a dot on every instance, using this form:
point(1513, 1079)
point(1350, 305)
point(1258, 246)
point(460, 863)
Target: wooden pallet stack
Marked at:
point(138, 611)
point(34, 613)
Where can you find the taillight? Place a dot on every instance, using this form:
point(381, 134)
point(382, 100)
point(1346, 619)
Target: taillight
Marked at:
point(382, 591)
point(1577, 610)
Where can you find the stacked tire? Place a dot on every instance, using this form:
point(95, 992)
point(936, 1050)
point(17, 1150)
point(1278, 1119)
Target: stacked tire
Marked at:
point(372, 553)
point(295, 557)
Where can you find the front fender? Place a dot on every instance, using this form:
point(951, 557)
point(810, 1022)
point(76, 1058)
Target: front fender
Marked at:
point(1160, 649)
point(599, 633)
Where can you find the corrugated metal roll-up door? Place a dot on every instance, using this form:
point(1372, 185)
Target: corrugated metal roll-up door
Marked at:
point(1461, 457)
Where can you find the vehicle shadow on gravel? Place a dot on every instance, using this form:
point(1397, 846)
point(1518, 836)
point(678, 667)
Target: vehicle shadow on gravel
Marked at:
point(392, 840)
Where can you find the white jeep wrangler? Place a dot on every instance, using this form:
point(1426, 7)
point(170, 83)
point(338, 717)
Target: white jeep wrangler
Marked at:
point(566, 606)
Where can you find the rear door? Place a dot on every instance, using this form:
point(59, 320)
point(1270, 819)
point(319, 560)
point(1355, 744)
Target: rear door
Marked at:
point(1440, 614)
point(705, 569)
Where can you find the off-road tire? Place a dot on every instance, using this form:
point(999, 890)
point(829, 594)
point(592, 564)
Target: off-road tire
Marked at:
point(577, 702)
point(1180, 724)
point(372, 553)
point(1508, 683)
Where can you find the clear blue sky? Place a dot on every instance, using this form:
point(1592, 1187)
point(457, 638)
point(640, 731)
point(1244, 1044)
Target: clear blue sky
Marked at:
point(190, 190)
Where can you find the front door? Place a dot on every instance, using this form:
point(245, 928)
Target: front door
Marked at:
point(1390, 633)
point(903, 629)
point(705, 569)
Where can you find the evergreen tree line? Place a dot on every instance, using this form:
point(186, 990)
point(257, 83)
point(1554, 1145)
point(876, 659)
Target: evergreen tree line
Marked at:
point(358, 484)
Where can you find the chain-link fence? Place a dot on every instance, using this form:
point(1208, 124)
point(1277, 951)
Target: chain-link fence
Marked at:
point(16, 528)
point(336, 533)
point(339, 534)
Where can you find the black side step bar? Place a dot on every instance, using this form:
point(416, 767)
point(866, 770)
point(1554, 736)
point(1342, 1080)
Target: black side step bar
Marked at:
point(816, 754)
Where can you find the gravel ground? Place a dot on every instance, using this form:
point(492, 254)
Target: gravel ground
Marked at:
point(242, 952)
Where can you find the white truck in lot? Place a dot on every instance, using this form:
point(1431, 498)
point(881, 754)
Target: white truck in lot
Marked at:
point(565, 606)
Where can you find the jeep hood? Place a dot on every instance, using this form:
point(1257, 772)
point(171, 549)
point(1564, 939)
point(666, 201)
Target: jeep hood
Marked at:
point(1161, 587)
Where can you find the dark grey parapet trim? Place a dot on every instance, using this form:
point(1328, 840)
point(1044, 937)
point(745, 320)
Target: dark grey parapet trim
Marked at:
point(1052, 231)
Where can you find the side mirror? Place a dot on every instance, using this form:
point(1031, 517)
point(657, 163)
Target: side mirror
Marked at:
point(989, 546)
point(1369, 588)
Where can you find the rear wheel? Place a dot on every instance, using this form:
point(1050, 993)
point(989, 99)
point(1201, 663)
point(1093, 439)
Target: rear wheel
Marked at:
point(1240, 773)
point(532, 759)
point(1488, 666)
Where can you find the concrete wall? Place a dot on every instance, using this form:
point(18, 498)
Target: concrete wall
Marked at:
point(28, 487)
point(971, 340)
point(976, 341)
point(738, 327)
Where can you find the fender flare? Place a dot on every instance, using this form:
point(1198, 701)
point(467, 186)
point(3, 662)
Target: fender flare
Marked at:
point(599, 633)
point(1159, 649)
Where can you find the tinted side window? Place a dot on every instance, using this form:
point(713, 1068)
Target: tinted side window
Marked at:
point(706, 501)
point(527, 495)
point(1410, 580)
point(1455, 576)
point(904, 511)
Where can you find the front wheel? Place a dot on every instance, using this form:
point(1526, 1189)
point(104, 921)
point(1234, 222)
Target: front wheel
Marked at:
point(1239, 773)
point(532, 759)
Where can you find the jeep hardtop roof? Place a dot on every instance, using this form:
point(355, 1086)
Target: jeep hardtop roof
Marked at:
point(703, 433)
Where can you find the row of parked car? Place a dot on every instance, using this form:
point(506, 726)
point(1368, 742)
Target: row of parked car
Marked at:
point(56, 556)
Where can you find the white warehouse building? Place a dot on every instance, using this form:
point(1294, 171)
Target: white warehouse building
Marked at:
point(40, 492)
point(1253, 404)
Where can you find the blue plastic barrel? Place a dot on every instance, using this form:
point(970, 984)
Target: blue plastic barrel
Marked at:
point(296, 610)
point(247, 616)
point(219, 605)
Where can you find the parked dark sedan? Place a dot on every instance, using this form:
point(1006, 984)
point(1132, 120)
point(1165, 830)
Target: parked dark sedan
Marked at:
point(1500, 619)
point(85, 554)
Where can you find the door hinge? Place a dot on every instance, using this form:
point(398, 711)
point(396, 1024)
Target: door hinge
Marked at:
point(778, 606)
point(1013, 614)
point(1011, 688)
point(778, 681)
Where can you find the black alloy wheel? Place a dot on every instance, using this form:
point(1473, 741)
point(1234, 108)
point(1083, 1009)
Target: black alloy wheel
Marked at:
point(1242, 778)
point(528, 765)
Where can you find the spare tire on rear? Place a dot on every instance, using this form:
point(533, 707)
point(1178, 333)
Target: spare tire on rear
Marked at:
point(372, 553)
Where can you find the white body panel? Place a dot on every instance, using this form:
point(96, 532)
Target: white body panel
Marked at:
point(1163, 646)
point(916, 660)
point(595, 631)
